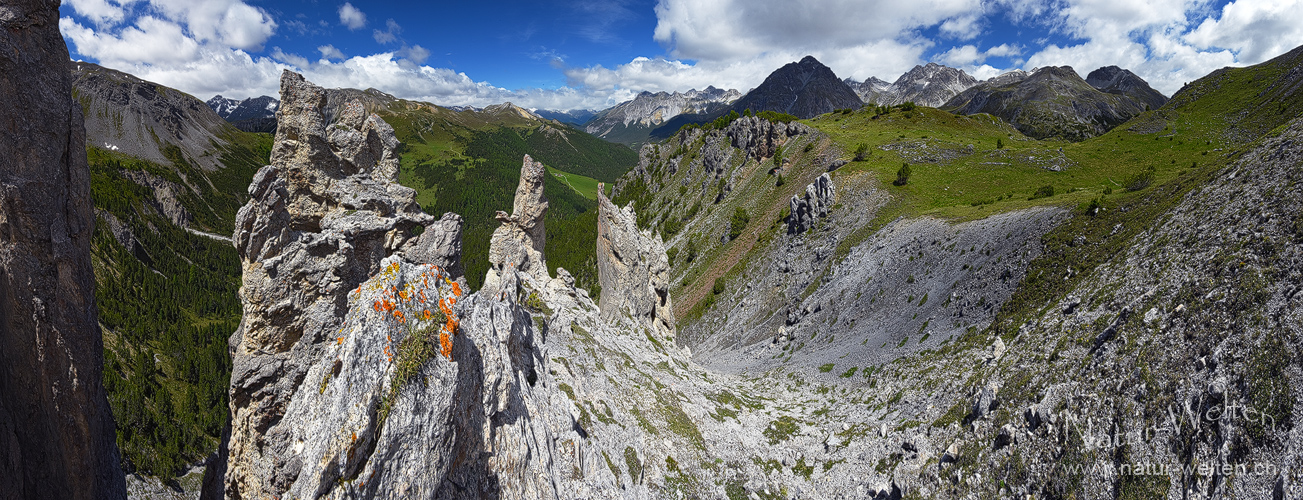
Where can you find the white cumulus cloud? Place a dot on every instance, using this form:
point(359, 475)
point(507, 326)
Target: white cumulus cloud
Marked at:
point(100, 12)
point(352, 17)
point(217, 46)
point(1254, 30)
point(330, 52)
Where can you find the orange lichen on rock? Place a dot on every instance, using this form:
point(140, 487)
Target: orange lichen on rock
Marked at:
point(445, 345)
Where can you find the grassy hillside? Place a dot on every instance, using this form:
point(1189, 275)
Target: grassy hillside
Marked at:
point(961, 168)
point(167, 299)
point(586, 186)
point(466, 163)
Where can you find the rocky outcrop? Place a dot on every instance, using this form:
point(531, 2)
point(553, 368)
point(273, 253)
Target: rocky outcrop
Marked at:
point(808, 209)
point(166, 196)
point(56, 430)
point(517, 245)
point(805, 89)
point(632, 269)
point(440, 245)
point(322, 218)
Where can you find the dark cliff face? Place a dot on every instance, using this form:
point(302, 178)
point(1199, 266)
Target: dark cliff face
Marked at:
point(56, 431)
point(805, 89)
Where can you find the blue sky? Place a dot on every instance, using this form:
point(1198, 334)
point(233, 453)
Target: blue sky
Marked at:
point(592, 54)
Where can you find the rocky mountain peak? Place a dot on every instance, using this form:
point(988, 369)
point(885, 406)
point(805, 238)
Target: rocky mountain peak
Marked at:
point(632, 269)
point(927, 85)
point(1115, 80)
point(805, 89)
point(1056, 71)
point(1007, 78)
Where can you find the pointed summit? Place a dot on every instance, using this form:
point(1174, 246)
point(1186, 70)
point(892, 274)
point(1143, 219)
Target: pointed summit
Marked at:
point(929, 85)
point(805, 89)
point(1115, 80)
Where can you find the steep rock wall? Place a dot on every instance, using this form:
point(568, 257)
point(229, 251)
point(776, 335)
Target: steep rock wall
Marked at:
point(633, 269)
point(56, 429)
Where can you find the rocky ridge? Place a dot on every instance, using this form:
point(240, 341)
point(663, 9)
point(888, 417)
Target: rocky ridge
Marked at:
point(56, 430)
point(140, 118)
point(1050, 102)
point(320, 407)
point(632, 121)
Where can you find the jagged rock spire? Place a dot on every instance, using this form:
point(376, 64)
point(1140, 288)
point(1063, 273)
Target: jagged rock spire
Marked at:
point(321, 219)
point(632, 269)
point(517, 245)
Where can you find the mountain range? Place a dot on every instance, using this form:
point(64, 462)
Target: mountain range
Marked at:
point(389, 298)
point(1057, 102)
point(631, 122)
point(254, 114)
point(925, 85)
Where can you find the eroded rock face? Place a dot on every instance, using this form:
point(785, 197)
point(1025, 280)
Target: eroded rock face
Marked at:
point(321, 220)
point(56, 429)
point(632, 269)
point(459, 426)
point(401, 384)
point(807, 209)
point(518, 243)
